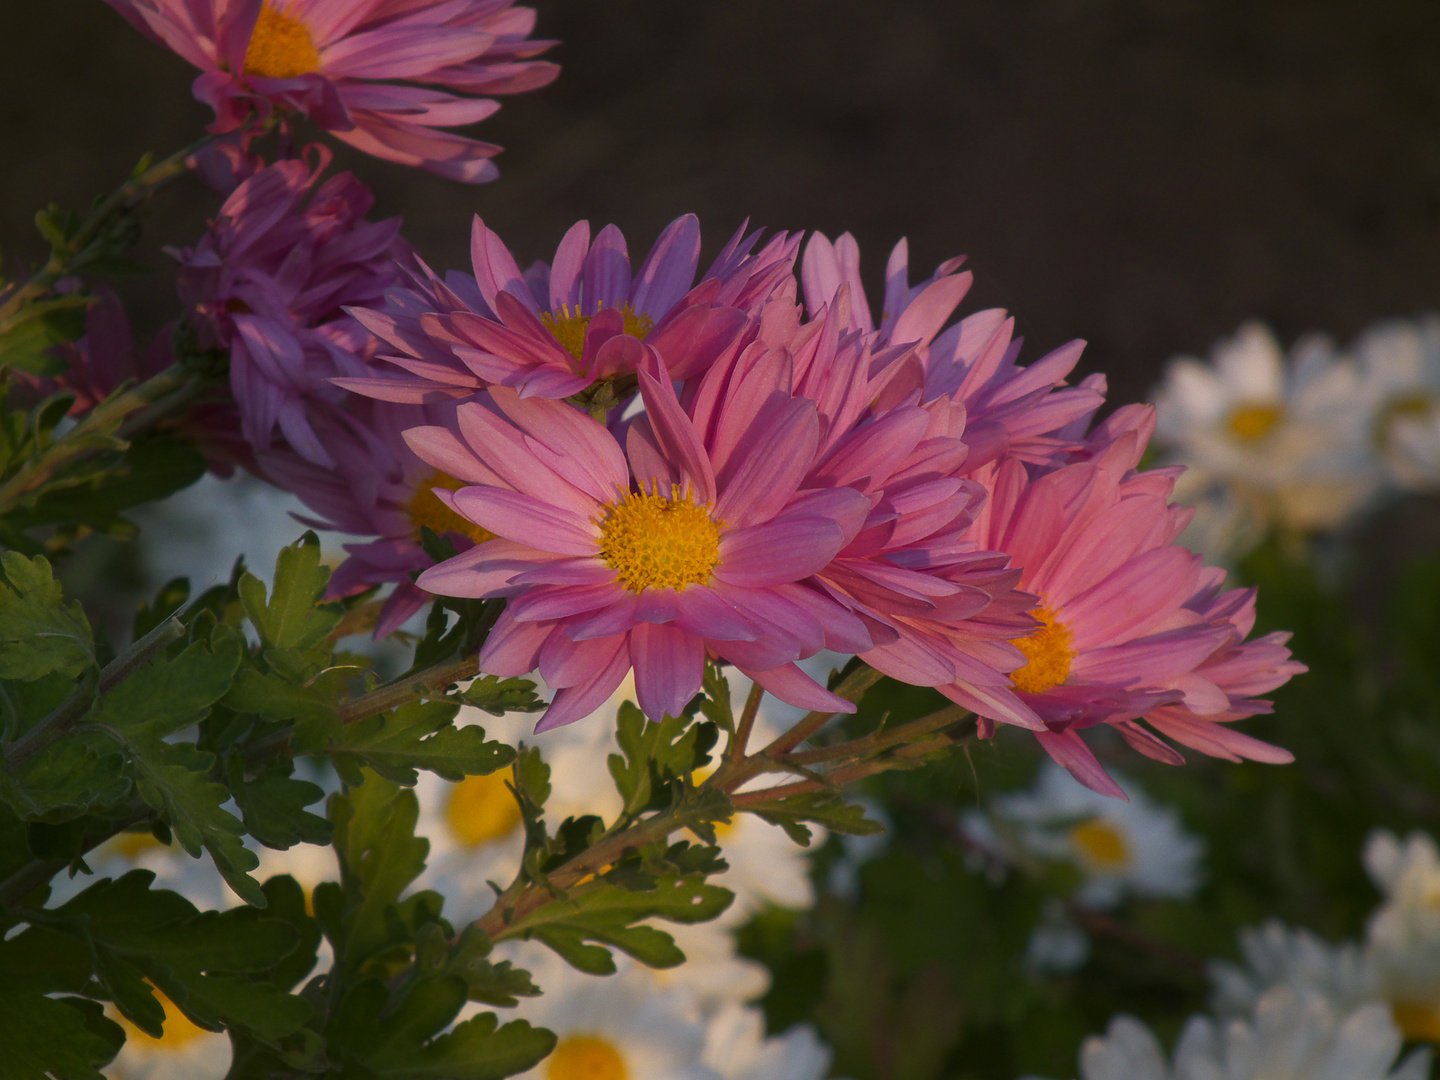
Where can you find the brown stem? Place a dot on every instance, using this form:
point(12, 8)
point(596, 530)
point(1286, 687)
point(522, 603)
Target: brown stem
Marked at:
point(736, 750)
point(880, 740)
point(420, 685)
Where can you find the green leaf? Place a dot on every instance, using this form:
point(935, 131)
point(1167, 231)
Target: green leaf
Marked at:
point(656, 755)
point(39, 633)
point(43, 1037)
point(498, 696)
point(273, 804)
point(290, 619)
point(420, 735)
point(167, 696)
point(286, 901)
point(608, 913)
point(820, 807)
point(149, 471)
point(312, 708)
point(499, 984)
point(476, 1049)
point(72, 776)
point(28, 338)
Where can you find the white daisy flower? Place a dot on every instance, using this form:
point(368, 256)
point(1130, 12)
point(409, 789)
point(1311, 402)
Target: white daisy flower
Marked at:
point(183, 1052)
point(1400, 375)
point(1282, 443)
point(737, 1048)
point(617, 1027)
point(1137, 847)
point(712, 974)
point(1291, 1037)
point(1403, 935)
point(1277, 955)
point(196, 879)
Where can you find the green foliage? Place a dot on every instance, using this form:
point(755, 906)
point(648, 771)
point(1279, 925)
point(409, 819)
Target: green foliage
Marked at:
point(421, 735)
point(47, 1037)
point(39, 632)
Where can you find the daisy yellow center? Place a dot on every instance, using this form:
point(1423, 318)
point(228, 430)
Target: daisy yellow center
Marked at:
point(1417, 1021)
point(569, 327)
point(1397, 410)
point(586, 1057)
point(481, 809)
point(1101, 844)
point(425, 508)
point(1250, 423)
point(178, 1031)
point(723, 829)
point(132, 844)
point(1049, 652)
point(653, 542)
point(281, 46)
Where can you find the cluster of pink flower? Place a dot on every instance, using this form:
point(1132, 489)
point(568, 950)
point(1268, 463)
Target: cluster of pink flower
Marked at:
point(653, 470)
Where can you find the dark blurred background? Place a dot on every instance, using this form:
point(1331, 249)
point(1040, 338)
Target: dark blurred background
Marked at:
point(1144, 174)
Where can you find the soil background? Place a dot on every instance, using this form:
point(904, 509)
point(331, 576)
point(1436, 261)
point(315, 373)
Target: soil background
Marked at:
point(1144, 174)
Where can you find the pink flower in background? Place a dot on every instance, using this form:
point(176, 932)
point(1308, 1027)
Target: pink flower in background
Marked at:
point(648, 556)
point(379, 488)
point(555, 329)
point(1123, 634)
point(1012, 410)
point(267, 283)
point(349, 66)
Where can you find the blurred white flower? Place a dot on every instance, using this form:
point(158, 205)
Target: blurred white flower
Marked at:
point(737, 1048)
point(1403, 935)
point(194, 878)
point(1400, 378)
point(183, 1052)
point(1266, 441)
point(1057, 946)
point(1291, 1037)
point(1138, 847)
point(1278, 955)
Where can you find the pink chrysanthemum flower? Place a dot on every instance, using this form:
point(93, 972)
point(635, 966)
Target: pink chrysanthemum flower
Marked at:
point(1123, 633)
point(1012, 410)
point(940, 611)
point(650, 555)
point(379, 488)
point(267, 284)
point(555, 329)
point(346, 64)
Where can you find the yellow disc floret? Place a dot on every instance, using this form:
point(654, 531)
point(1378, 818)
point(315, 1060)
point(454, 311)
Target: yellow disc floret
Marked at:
point(1251, 423)
point(569, 328)
point(586, 1057)
point(1049, 652)
point(654, 542)
point(281, 46)
point(481, 809)
point(1418, 406)
point(425, 508)
point(1101, 844)
point(178, 1030)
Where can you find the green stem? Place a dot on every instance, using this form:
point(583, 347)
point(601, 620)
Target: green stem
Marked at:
point(880, 740)
point(128, 197)
point(420, 685)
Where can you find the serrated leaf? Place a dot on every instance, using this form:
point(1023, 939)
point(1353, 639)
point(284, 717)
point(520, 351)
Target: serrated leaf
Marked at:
point(44, 1037)
point(166, 695)
point(312, 708)
point(39, 632)
point(289, 617)
point(821, 808)
point(608, 914)
point(655, 755)
point(420, 735)
point(499, 696)
point(67, 779)
point(476, 1049)
point(273, 804)
point(489, 983)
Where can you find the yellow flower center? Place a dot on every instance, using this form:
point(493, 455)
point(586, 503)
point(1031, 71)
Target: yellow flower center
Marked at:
point(425, 508)
point(1049, 653)
point(179, 1030)
point(481, 809)
point(1417, 1021)
point(569, 329)
point(1418, 406)
point(657, 543)
point(131, 844)
point(1250, 423)
point(281, 46)
point(586, 1057)
point(1101, 844)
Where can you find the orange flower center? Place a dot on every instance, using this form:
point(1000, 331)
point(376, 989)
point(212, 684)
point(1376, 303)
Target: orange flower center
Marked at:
point(1049, 652)
point(1417, 406)
point(1251, 423)
point(586, 1057)
point(1417, 1021)
point(179, 1029)
point(569, 329)
point(657, 543)
point(281, 46)
point(425, 508)
point(481, 809)
point(1101, 844)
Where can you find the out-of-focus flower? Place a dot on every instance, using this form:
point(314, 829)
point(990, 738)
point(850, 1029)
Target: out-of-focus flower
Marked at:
point(351, 67)
point(1292, 1037)
point(703, 550)
point(1286, 439)
point(1136, 848)
point(737, 1048)
point(1131, 620)
point(1403, 935)
point(621, 1027)
point(267, 283)
point(185, 1051)
point(1277, 955)
point(555, 329)
point(1400, 384)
